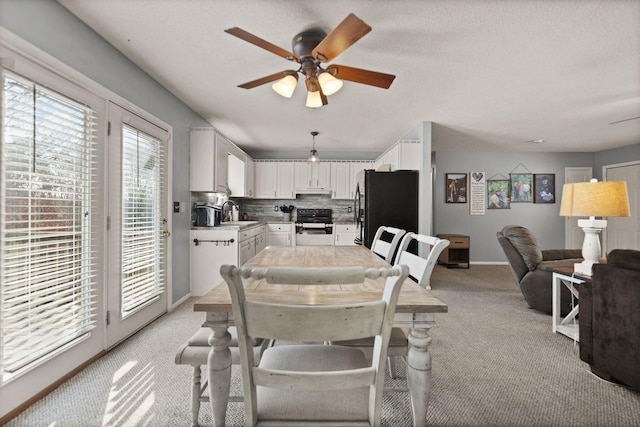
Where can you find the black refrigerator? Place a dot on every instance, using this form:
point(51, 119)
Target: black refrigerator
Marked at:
point(385, 198)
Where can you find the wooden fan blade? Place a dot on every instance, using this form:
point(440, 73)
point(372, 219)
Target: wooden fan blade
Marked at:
point(349, 31)
point(248, 37)
point(358, 75)
point(267, 79)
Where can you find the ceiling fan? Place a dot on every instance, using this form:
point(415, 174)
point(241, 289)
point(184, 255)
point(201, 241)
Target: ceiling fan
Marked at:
point(311, 48)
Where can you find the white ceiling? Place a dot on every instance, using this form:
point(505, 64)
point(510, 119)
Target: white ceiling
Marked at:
point(490, 74)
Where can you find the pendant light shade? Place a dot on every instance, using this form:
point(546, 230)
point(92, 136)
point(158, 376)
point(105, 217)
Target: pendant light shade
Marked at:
point(313, 154)
point(329, 84)
point(286, 85)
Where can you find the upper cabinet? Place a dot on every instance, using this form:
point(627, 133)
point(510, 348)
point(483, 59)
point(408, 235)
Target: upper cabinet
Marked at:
point(274, 180)
point(402, 155)
point(208, 165)
point(249, 177)
point(343, 178)
point(312, 177)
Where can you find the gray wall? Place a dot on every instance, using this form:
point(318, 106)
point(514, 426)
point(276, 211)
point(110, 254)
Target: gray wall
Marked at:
point(50, 27)
point(543, 220)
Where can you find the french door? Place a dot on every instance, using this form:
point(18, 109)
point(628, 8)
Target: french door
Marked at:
point(137, 223)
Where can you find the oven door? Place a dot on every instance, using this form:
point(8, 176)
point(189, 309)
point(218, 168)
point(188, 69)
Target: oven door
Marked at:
point(314, 235)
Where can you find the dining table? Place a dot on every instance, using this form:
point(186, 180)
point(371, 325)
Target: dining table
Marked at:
point(415, 311)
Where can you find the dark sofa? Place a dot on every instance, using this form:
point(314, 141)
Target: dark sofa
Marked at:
point(609, 318)
point(531, 267)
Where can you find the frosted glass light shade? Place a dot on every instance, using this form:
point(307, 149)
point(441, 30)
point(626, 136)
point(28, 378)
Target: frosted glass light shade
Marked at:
point(329, 84)
point(286, 85)
point(314, 100)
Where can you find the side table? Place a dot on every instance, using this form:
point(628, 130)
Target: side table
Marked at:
point(457, 252)
point(567, 325)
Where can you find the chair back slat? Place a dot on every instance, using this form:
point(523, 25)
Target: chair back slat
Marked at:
point(314, 323)
point(383, 248)
point(420, 265)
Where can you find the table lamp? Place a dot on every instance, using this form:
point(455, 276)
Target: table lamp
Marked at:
point(593, 199)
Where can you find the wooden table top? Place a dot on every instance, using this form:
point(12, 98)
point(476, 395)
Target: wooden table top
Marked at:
point(412, 299)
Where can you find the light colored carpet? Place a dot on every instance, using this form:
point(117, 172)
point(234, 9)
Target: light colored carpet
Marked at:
point(495, 363)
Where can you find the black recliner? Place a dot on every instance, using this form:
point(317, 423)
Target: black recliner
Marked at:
point(532, 267)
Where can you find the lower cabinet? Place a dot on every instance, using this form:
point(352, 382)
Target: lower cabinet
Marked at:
point(344, 234)
point(280, 234)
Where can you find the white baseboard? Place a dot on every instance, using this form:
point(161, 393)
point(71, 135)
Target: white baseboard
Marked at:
point(180, 301)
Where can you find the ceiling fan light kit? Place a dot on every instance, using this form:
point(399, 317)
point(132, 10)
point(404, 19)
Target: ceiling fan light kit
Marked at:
point(313, 154)
point(311, 48)
point(286, 85)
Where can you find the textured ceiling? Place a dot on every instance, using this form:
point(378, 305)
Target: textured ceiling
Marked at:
point(491, 75)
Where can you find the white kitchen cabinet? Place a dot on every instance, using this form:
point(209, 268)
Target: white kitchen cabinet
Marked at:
point(286, 181)
point(222, 164)
point(249, 177)
point(312, 177)
point(344, 234)
point(213, 250)
point(402, 155)
point(208, 161)
point(202, 158)
point(274, 180)
point(266, 179)
point(344, 177)
point(280, 234)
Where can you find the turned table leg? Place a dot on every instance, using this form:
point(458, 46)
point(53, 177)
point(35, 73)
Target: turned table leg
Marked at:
point(419, 371)
point(219, 362)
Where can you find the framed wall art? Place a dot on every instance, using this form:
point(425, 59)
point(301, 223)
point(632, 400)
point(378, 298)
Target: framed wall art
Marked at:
point(521, 187)
point(544, 188)
point(456, 187)
point(498, 194)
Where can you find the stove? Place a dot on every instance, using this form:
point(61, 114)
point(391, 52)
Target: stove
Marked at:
point(314, 227)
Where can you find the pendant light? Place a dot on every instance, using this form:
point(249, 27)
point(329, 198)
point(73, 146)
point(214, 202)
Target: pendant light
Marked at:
point(313, 154)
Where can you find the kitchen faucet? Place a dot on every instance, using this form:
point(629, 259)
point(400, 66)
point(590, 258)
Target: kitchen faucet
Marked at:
point(224, 204)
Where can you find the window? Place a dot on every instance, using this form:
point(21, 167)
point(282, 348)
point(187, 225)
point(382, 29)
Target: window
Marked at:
point(47, 259)
point(142, 207)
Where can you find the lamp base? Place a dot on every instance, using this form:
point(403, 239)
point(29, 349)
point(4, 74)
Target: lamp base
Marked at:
point(583, 268)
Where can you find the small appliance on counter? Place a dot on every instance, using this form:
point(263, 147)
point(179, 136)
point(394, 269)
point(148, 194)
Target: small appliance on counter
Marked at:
point(208, 216)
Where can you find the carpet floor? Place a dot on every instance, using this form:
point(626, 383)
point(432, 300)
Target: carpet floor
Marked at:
point(495, 363)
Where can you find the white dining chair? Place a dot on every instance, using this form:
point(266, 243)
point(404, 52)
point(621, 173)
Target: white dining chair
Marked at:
point(384, 248)
point(313, 384)
point(195, 352)
point(420, 268)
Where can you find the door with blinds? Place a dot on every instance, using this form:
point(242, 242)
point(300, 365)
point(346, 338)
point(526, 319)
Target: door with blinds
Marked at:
point(137, 224)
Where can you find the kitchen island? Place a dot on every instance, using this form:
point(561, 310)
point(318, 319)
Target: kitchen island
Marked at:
point(415, 310)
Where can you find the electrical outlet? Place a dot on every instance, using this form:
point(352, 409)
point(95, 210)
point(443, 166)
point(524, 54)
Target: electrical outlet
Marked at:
point(349, 209)
point(275, 209)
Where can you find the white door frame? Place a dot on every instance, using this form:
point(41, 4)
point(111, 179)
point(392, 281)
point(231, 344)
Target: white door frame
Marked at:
point(605, 170)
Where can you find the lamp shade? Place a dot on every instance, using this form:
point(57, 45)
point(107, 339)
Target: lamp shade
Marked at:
point(606, 198)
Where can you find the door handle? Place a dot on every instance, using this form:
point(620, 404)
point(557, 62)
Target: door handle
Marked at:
point(166, 233)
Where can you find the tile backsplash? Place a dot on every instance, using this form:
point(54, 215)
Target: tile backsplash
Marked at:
point(264, 209)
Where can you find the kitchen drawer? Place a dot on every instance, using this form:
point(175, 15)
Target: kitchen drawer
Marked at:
point(279, 227)
point(245, 234)
point(345, 228)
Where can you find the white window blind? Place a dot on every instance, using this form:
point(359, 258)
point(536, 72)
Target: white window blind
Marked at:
point(47, 263)
point(143, 245)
